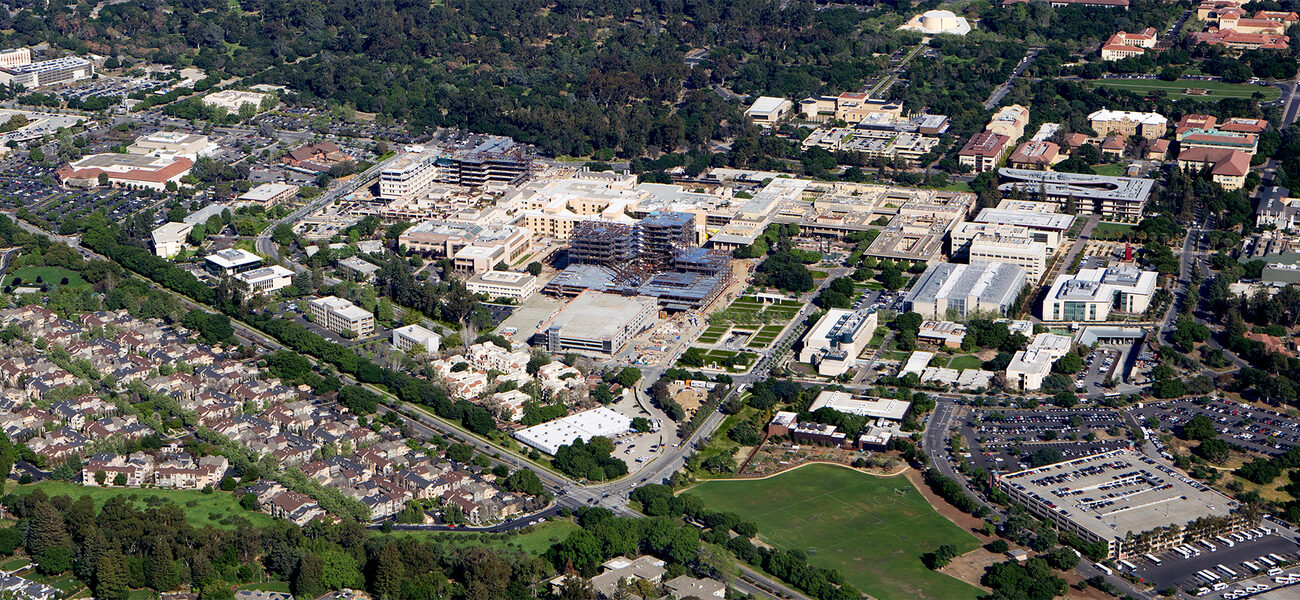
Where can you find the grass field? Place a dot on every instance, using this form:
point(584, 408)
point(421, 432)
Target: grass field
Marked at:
point(200, 509)
point(871, 529)
point(713, 334)
point(534, 542)
point(965, 362)
point(1218, 90)
point(765, 336)
point(1111, 170)
point(1110, 229)
point(48, 275)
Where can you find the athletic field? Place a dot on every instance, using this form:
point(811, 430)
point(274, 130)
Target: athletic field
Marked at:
point(1215, 90)
point(872, 529)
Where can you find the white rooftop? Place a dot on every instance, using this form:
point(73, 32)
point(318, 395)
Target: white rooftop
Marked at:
point(879, 408)
point(233, 258)
point(597, 422)
point(1145, 118)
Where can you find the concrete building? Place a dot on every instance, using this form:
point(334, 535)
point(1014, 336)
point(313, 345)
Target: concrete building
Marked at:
point(597, 422)
point(1126, 123)
point(360, 268)
point(414, 336)
point(596, 324)
point(1009, 121)
point(265, 280)
point(1127, 45)
point(935, 22)
point(169, 238)
point(472, 248)
point(175, 143)
point(270, 194)
point(873, 143)
point(1015, 246)
point(1039, 219)
point(1238, 40)
point(850, 107)
point(945, 334)
point(1123, 499)
point(835, 341)
point(410, 174)
point(133, 171)
point(964, 289)
point(15, 57)
point(875, 408)
point(766, 111)
point(231, 261)
point(1113, 197)
point(984, 151)
point(1278, 209)
point(1092, 294)
point(1028, 367)
point(339, 315)
point(48, 72)
point(234, 100)
point(502, 284)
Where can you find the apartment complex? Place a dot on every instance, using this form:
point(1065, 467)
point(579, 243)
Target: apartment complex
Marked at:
point(339, 315)
point(1093, 294)
point(1126, 123)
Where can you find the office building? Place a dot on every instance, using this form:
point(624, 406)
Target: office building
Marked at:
point(409, 174)
point(1227, 167)
point(850, 107)
point(502, 284)
point(1028, 367)
point(265, 280)
point(15, 57)
point(1278, 209)
point(766, 111)
point(360, 268)
point(228, 262)
point(1113, 197)
point(961, 290)
point(234, 100)
point(1037, 155)
point(596, 323)
point(1123, 499)
point(882, 142)
point(1009, 121)
point(494, 160)
point(835, 341)
point(1093, 294)
point(1004, 244)
point(48, 72)
point(946, 334)
point(414, 336)
point(169, 238)
point(1127, 45)
point(1039, 219)
point(984, 151)
point(270, 194)
point(875, 408)
point(472, 248)
point(339, 315)
point(134, 171)
point(1127, 124)
point(175, 143)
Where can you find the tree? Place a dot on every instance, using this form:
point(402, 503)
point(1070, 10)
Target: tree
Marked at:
point(111, 577)
point(55, 560)
point(1199, 427)
point(1214, 450)
point(387, 571)
point(161, 569)
point(1068, 364)
point(941, 557)
point(524, 481)
point(307, 579)
point(283, 234)
point(534, 268)
point(103, 179)
point(628, 376)
point(46, 530)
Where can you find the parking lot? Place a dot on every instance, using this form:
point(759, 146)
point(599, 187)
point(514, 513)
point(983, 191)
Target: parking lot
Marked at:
point(1001, 439)
point(1176, 571)
point(1254, 429)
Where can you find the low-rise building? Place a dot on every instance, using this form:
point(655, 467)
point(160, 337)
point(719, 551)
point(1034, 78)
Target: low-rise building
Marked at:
point(1228, 168)
point(339, 315)
point(1093, 294)
point(502, 284)
point(984, 151)
point(850, 107)
point(270, 194)
point(176, 143)
point(1028, 367)
point(985, 287)
point(596, 323)
point(1128, 123)
point(1114, 197)
point(986, 242)
point(135, 171)
point(942, 333)
point(224, 263)
point(1127, 45)
point(1237, 40)
point(1036, 155)
point(360, 268)
point(766, 111)
point(234, 100)
point(835, 341)
point(1009, 121)
point(414, 336)
point(266, 280)
point(169, 238)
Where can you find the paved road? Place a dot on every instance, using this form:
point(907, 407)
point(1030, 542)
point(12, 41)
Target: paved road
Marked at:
point(1291, 109)
point(1004, 89)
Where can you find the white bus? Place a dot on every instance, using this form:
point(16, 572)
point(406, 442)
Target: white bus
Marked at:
point(1105, 569)
point(1226, 542)
point(1152, 558)
point(1209, 545)
point(1125, 563)
point(1266, 560)
point(1252, 566)
point(1226, 570)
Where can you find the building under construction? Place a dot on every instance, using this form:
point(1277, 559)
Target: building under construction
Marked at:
point(654, 257)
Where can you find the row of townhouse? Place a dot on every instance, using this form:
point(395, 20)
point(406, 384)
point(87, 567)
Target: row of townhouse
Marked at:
point(139, 469)
point(281, 502)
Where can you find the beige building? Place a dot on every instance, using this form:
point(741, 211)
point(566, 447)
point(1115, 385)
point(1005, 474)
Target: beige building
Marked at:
point(1009, 121)
point(1126, 45)
point(414, 336)
point(233, 100)
point(850, 107)
point(265, 280)
point(766, 111)
point(339, 315)
point(16, 57)
point(409, 174)
point(134, 171)
point(502, 284)
point(175, 143)
point(169, 238)
point(984, 151)
point(982, 242)
point(472, 248)
point(270, 194)
point(835, 341)
point(1128, 123)
point(1028, 367)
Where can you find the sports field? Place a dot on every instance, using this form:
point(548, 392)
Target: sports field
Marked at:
point(1215, 90)
point(872, 529)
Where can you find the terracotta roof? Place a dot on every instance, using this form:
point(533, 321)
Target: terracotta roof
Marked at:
point(180, 165)
point(985, 143)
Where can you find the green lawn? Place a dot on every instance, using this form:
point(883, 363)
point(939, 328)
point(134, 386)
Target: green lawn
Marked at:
point(965, 362)
point(1218, 90)
point(48, 275)
point(1111, 170)
point(1111, 229)
point(872, 529)
point(14, 564)
point(222, 505)
point(534, 542)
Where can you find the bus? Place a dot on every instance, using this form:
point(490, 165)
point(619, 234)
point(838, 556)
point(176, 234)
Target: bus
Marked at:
point(1227, 571)
point(1125, 563)
point(1226, 542)
point(1105, 569)
point(1152, 558)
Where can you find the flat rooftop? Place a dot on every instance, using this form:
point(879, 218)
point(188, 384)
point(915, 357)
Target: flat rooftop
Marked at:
point(879, 408)
point(233, 257)
point(1081, 185)
point(1025, 218)
point(1117, 492)
point(598, 316)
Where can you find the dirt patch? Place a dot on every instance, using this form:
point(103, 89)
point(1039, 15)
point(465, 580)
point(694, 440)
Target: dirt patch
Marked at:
point(963, 520)
point(970, 567)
